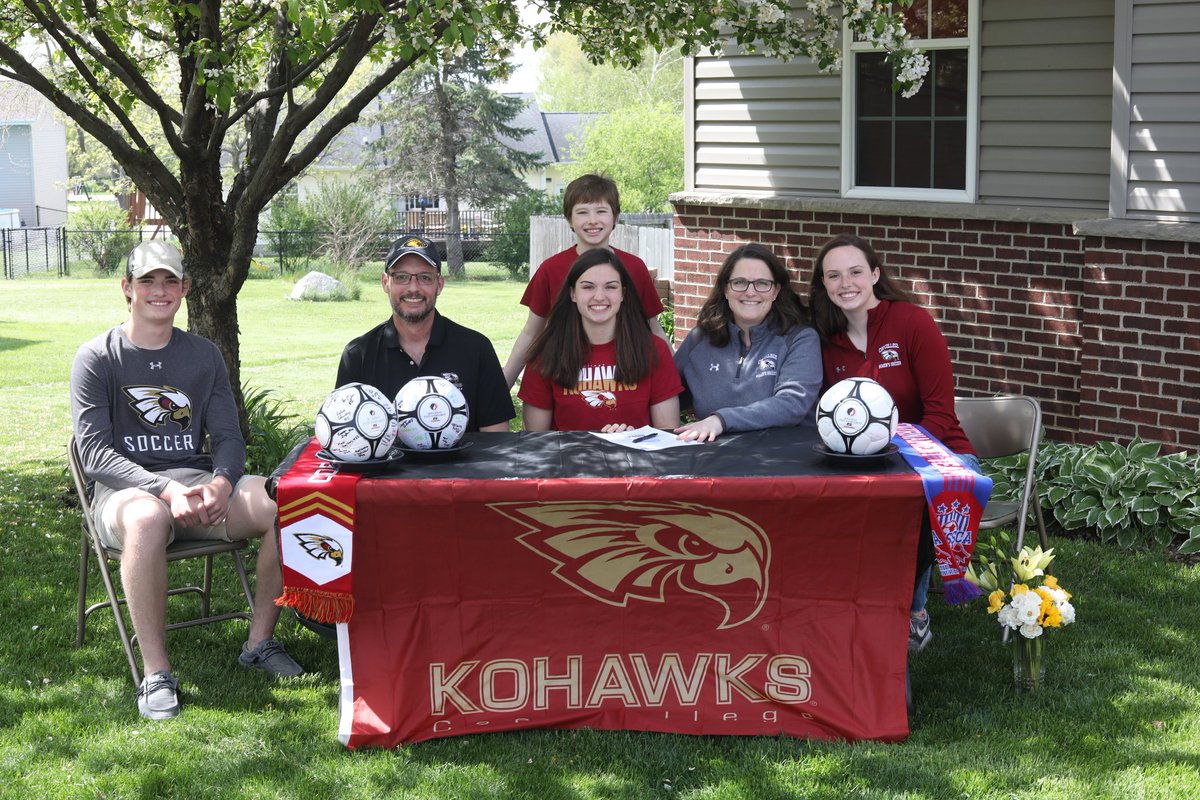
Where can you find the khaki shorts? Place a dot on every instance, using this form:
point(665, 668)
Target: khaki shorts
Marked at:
point(106, 501)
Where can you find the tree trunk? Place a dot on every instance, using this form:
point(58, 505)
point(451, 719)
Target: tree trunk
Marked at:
point(455, 262)
point(455, 265)
point(217, 242)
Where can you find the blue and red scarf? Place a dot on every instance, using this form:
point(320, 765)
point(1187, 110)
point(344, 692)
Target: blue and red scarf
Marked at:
point(956, 495)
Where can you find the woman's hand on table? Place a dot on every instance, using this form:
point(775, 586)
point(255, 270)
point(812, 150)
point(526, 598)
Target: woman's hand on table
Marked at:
point(704, 430)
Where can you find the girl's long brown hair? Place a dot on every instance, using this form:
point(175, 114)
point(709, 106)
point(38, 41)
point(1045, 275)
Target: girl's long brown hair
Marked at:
point(562, 348)
point(830, 320)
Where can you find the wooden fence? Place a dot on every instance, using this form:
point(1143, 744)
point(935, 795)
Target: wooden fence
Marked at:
point(654, 245)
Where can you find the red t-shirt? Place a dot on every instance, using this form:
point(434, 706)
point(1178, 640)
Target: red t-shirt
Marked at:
point(598, 400)
point(545, 284)
point(908, 356)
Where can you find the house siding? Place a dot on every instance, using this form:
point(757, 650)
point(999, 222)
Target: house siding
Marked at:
point(762, 125)
point(1162, 163)
point(1045, 102)
point(50, 171)
point(16, 171)
point(1045, 111)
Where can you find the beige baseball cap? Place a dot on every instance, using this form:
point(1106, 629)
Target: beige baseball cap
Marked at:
point(152, 255)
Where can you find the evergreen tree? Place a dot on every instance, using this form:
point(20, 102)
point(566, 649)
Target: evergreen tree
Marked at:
point(446, 134)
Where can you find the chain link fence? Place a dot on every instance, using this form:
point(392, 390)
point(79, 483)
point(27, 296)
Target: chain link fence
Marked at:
point(33, 251)
point(59, 250)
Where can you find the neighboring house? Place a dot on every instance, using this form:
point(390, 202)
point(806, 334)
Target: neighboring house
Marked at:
point(33, 157)
point(339, 161)
point(1041, 195)
point(553, 134)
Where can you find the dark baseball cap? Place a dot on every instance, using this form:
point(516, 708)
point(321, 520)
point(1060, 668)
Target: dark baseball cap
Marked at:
point(413, 244)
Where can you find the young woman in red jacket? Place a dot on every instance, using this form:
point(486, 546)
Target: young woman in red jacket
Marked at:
point(870, 327)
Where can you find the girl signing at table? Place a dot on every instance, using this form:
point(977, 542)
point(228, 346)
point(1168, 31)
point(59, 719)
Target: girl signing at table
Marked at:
point(752, 361)
point(596, 366)
point(871, 328)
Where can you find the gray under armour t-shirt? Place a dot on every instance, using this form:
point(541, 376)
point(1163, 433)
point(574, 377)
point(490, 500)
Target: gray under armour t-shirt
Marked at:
point(140, 411)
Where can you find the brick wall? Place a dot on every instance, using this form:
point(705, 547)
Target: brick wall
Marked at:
point(1104, 332)
point(1140, 364)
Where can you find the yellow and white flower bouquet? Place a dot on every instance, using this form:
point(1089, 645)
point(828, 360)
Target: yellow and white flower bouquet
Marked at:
point(1025, 600)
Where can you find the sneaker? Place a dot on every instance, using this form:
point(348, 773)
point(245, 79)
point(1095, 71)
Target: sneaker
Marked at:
point(158, 696)
point(919, 635)
point(270, 657)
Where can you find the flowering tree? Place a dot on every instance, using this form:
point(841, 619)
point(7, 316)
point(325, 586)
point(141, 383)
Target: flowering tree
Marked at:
point(277, 74)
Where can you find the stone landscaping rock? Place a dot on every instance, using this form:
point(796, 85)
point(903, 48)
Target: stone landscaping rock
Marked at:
point(318, 286)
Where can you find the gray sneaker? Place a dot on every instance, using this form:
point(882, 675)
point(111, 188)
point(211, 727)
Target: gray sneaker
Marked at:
point(158, 696)
point(919, 634)
point(270, 657)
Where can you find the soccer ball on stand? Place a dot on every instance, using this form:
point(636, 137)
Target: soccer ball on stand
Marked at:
point(356, 423)
point(431, 412)
point(856, 416)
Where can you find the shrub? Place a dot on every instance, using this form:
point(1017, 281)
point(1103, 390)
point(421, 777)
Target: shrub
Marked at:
point(1128, 493)
point(100, 232)
point(294, 233)
point(273, 431)
point(354, 219)
point(259, 270)
point(510, 248)
point(667, 320)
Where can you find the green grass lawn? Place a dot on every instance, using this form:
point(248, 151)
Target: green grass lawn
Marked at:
point(1120, 719)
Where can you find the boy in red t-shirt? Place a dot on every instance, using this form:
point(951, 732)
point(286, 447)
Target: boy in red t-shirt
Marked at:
point(592, 206)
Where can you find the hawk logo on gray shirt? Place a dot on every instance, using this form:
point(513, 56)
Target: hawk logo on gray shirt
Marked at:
point(157, 404)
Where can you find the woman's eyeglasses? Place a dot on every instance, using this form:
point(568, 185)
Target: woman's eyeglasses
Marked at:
point(742, 284)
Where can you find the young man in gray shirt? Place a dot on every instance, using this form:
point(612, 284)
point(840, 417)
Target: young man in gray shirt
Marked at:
point(144, 395)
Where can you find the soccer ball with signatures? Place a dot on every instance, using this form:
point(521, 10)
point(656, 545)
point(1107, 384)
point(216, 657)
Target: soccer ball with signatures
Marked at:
point(856, 416)
point(432, 413)
point(356, 423)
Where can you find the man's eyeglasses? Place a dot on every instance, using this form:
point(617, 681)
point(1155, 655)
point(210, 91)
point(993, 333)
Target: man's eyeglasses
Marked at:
point(760, 284)
point(405, 278)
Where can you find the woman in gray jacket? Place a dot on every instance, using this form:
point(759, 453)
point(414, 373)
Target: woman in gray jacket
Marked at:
point(753, 360)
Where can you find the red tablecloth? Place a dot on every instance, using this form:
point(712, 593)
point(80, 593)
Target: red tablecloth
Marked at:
point(716, 603)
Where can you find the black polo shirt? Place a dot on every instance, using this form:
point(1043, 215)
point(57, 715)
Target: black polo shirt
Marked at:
point(463, 356)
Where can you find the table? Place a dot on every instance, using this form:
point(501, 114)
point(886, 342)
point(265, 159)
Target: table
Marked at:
point(555, 580)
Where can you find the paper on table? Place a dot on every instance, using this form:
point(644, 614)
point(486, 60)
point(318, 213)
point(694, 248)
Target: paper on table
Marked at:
point(645, 438)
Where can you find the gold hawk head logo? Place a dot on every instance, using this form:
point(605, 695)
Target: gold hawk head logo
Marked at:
point(157, 404)
point(321, 547)
point(415, 243)
point(597, 399)
point(616, 551)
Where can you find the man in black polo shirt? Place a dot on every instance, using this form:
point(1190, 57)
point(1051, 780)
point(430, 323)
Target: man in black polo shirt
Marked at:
point(417, 340)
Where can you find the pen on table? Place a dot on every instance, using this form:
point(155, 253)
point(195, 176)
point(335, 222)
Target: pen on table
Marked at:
point(645, 438)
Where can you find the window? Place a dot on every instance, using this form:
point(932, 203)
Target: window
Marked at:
point(922, 147)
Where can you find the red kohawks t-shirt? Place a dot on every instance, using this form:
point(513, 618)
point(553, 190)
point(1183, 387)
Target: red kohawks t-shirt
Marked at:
point(598, 400)
point(545, 284)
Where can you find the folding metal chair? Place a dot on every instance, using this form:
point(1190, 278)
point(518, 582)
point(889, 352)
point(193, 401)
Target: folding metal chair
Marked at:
point(89, 543)
point(1003, 426)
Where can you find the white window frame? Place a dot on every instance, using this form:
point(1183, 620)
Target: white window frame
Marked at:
point(850, 49)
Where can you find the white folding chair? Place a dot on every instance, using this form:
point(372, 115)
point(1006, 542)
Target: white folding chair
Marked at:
point(89, 543)
point(1004, 425)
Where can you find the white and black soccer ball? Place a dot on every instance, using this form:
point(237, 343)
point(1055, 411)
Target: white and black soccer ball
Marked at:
point(356, 423)
point(857, 416)
point(431, 413)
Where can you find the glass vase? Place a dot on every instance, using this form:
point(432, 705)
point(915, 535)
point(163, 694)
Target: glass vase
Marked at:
point(1029, 667)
